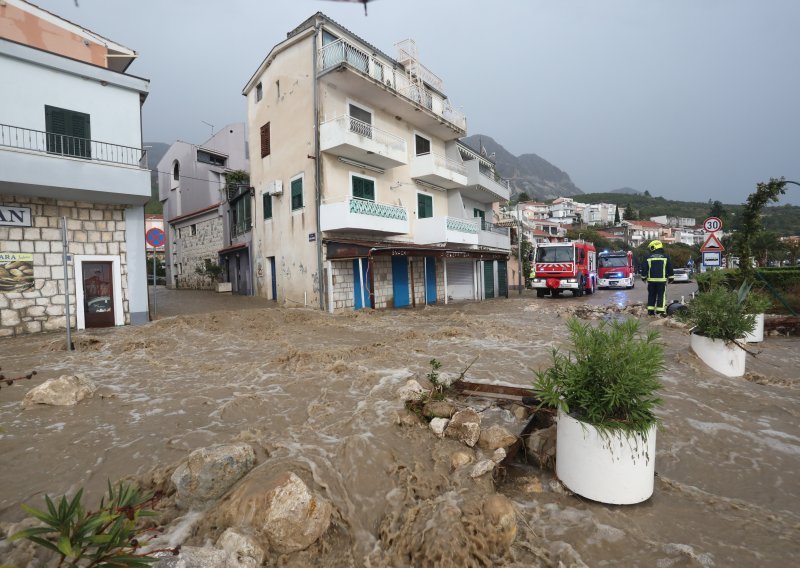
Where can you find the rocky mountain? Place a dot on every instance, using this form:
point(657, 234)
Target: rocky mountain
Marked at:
point(528, 173)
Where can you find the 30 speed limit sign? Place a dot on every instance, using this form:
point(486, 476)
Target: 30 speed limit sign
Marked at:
point(712, 225)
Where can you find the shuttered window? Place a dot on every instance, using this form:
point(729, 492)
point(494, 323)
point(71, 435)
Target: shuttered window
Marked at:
point(297, 193)
point(424, 206)
point(68, 132)
point(267, 206)
point(363, 188)
point(265, 140)
point(423, 145)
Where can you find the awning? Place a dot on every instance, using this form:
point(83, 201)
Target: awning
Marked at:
point(233, 248)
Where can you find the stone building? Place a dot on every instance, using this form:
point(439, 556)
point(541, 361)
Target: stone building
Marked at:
point(70, 151)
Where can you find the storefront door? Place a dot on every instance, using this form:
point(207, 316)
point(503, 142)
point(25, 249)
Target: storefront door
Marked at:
point(98, 294)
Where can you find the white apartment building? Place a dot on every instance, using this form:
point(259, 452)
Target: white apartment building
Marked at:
point(208, 221)
point(364, 196)
point(70, 148)
point(673, 221)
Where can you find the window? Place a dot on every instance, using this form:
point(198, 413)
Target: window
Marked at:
point(482, 214)
point(267, 199)
point(424, 206)
point(68, 132)
point(259, 92)
point(360, 121)
point(193, 231)
point(265, 141)
point(176, 171)
point(241, 215)
point(363, 188)
point(209, 158)
point(297, 192)
point(423, 145)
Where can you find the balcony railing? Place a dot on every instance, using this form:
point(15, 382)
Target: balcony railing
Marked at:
point(492, 228)
point(440, 161)
point(346, 122)
point(491, 174)
point(462, 225)
point(71, 146)
point(384, 210)
point(340, 51)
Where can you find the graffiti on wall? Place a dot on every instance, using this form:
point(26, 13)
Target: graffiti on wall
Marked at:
point(16, 271)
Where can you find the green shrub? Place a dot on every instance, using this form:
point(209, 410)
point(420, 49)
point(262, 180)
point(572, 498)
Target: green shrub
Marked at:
point(720, 313)
point(608, 378)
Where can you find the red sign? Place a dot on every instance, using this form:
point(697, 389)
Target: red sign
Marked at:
point(712, 224)
point(155, 237)
point(712, 244)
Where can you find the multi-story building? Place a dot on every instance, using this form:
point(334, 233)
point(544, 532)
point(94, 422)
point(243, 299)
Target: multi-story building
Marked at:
point(70, 154)
point(208, 218)
point(364, 195)
point(673, 221)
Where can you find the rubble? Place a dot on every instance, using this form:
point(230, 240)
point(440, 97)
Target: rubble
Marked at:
point(465, 426)
point(208, 473)
point(66, 390)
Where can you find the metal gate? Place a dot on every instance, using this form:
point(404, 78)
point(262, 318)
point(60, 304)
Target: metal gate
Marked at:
point(502, 278)
point(488, 279)
point(460, 283)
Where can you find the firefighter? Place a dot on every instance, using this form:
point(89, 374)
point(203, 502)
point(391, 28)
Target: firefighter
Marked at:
point(656, 270)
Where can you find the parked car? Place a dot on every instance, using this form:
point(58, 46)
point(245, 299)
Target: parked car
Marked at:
point(682, 275)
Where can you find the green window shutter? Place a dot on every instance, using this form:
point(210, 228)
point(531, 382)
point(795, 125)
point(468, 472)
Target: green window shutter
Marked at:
point(363, 188)
point(424, 206)
point(267, 206)
point(297, 194)
point(68, 132)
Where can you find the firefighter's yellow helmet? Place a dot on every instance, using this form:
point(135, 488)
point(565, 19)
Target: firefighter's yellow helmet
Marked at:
point(655, 245)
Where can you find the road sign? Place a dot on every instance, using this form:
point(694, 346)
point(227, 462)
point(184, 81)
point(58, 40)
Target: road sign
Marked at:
point(712, 258)
point(155, 237)
point(712, 225)
point(712, 244)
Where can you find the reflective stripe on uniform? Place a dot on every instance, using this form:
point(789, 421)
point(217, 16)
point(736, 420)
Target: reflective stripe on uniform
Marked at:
point(654, 272)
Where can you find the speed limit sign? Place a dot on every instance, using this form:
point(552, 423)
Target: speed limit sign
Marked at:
point(712, 224)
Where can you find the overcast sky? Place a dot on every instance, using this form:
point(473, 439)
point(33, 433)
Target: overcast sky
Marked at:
point(689, 99)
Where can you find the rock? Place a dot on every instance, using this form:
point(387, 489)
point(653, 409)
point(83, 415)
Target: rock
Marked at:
point(66, 390)
point(520, 412)
point(439, 409)
point(501, 516)
point(460, 458)
point(195, 557)
point(499, 455)
point(465, 426)
point(535, 486)
point(495, 436)
point(281, 512)
point(542, 446)
point(208, 473)
point(243, 550)
point(412, 390)
point(408, 418)
point(437, 425)
point(557, 487)
point(481, 468)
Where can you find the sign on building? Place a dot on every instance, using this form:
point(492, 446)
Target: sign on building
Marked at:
point(15, 216)
point(16, 271)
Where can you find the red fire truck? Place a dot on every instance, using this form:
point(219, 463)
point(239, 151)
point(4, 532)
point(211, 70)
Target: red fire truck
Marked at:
point(615, 269)
point(565, 266)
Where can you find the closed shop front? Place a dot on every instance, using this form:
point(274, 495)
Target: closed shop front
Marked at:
point(460, 279)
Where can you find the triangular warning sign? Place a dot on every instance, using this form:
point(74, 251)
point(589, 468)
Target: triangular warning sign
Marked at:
point(712, 244)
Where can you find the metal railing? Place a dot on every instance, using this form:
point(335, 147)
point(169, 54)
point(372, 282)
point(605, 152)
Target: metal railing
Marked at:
point(239, 228)
point(461, 225)
point(341, 52)
point(71, 146)
point(440, 161)
point(366, 207)
point(493, 228)
point(491, 174)
point(367, 130)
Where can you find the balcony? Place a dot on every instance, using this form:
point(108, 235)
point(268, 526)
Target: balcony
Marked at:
point(485, 186)
point(492, 236)
point(351, 138)
point(355, 214)
point(439, 170)
point(446, 230)
point(425, 108)
point(44, 164)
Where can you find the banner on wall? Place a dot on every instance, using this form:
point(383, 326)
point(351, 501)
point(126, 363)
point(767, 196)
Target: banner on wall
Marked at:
point(16, 271)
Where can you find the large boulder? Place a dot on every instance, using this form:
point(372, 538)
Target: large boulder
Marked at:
point(66, 390)
point(438, 425)
point(208, 473)
point(438, 409)
point(465, 426)
point(243, 550)
point(410, 391)
point(281, 512)
point(494, 437)
point(542, 446)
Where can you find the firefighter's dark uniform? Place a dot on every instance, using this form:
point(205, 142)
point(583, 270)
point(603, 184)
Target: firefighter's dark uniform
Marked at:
point(657, 270)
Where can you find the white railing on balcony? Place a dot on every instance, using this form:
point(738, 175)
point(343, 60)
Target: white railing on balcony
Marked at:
point(440, 161)
point(367, 130)
point(384, 210)
point(71, 146)
point(490, 174)
point(342, 52)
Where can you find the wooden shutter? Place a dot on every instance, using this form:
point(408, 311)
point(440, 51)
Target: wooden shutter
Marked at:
point(297, 193)
point(265, 140)
point(424, 206)
point(267, 206)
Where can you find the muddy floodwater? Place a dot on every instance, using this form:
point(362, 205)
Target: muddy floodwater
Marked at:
point(316, 394)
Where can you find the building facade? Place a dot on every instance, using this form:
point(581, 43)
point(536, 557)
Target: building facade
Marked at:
point(364, 196)
point(70, 155)
point(208, 219)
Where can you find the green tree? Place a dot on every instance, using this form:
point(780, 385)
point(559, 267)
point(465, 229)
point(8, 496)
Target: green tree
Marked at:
point(616, 215)
point(647, 193)
point(718, 210)
point(523, 197)
point(751, 221)
point(630, 213)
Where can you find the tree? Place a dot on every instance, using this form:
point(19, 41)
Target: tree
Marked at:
point(751, 223)
point(523, 197)
point(630, 213)
point(616, 215)
point(647, 193)
point(718, 210)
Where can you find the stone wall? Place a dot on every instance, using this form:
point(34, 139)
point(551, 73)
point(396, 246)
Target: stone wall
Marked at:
point(93, 229)
point(192, 250)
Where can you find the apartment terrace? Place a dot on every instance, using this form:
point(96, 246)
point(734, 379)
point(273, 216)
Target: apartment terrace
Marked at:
point(357, 214)
point(350, 138)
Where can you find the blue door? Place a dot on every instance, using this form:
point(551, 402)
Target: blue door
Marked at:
point(430, 279)
point(400, 281)
point(360, 283)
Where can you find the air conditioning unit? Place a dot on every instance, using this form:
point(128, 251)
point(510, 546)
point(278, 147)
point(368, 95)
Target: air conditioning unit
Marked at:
point(275, 187)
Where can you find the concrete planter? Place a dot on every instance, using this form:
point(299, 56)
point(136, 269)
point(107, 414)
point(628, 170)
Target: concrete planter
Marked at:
point(609, 467)
point(757, 335)
point(725, 358)
point(224, 287)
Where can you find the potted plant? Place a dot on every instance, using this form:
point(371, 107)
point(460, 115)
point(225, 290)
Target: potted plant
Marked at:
point(720, 318)
point(757, 303)
point(605, 389)
point(213, 272)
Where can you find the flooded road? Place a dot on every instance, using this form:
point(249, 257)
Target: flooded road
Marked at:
point(316, 394)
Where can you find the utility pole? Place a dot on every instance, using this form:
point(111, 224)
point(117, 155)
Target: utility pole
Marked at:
point(519, 249)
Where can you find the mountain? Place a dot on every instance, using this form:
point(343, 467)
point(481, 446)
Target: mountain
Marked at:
point(528, 173)
point(627, 190)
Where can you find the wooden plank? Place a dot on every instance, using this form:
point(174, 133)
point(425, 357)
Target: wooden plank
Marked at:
point(515, 392)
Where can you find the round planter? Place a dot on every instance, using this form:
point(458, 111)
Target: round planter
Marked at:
point(725, 358)
point(757, 335)
point(609, 467)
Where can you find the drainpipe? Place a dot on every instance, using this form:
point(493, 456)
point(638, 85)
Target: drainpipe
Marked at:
point(317, 167)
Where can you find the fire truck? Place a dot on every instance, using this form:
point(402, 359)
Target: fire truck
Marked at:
point(615, 270)
point(565, 266)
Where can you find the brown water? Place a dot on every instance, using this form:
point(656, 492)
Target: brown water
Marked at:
point(315, 394)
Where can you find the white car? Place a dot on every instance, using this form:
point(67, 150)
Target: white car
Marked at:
point(681, 275)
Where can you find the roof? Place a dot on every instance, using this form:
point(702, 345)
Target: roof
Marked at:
point(232, 248)
point(646, 224)
point(195, 213)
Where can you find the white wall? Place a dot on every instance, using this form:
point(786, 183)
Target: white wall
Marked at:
point(137, 270)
